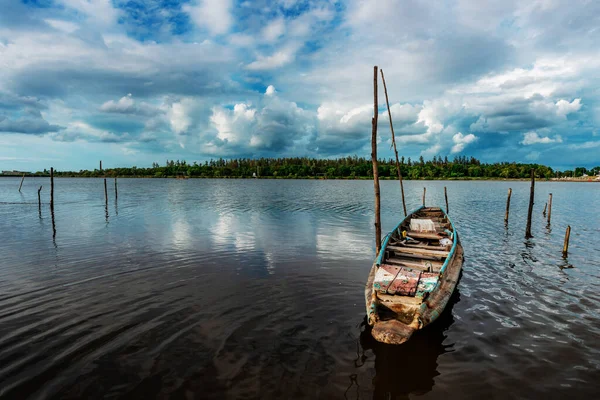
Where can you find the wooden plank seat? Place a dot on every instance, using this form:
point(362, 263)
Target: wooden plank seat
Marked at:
point(408, 264)
point(426, 235)
point(425, 211)
point(413, 263)
point(420, 246)
point(417, 256)
point(418, 251)
point(429, 215)
point(436, 219)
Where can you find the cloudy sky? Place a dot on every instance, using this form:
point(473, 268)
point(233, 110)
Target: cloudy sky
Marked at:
point(132, 82)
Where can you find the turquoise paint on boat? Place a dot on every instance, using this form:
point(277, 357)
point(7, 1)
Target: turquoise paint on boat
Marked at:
point(401, 318)
point(389, 235)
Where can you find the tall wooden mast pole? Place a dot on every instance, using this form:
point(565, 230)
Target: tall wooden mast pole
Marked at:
point(374, 160)
point(394, 142)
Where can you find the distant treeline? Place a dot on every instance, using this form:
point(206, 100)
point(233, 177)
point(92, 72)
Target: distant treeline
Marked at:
point(347, 167)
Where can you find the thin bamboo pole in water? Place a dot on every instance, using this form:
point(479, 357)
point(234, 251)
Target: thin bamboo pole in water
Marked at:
point(549, 208)
point(446, 196)
point(21, 185)
point(52, 189)
point(394, 142)
point(374, 160)
point(530, 211)
point(105, 192)
point(424, 190)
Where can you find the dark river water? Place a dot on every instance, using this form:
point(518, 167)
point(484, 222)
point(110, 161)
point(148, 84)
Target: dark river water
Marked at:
point(243, 289)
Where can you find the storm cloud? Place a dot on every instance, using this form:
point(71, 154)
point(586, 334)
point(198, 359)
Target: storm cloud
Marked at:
point(145, 81)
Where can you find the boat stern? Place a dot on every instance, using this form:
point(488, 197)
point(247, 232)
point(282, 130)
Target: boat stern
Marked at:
point(392, 332)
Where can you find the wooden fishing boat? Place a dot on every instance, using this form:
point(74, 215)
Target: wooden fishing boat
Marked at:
point(413, 276)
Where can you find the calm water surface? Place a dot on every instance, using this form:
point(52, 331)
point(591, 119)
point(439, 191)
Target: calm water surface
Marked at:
point(254, 289)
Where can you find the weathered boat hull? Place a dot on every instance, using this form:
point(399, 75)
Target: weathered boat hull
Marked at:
point(405, 317)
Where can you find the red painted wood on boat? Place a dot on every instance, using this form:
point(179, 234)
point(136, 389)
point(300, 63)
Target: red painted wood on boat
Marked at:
point(405, 283)
point(384, 277)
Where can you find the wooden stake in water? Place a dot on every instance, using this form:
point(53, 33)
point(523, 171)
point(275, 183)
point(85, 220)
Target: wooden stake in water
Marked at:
point(374, 160)
point(545, 207)
point(116, 191)
point(52, 188)
point(53, 223)
point(100, 165)
point(507, 206)
point(394, 142)
point(40, 199)
point(446, 196)
point(424, 190)
point(105, 192)
point(566, 244)
point(530, 211)
point(21, 185)
point(549, 208)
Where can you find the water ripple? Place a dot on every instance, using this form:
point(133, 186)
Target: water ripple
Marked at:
point(253, 289)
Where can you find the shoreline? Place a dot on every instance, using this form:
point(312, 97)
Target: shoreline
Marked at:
point(366, 178)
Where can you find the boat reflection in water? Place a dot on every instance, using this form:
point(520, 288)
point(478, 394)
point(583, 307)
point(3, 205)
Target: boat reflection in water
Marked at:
point(410, 368)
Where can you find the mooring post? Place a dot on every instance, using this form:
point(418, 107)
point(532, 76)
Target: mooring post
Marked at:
point(424, 190)
point(105, 192)
point(100, 165)
point(52, 189)
point(549, 208)
point(40, 199)
point(530, 211)
point(53, 223)
point(387, 101)
point(446, 196)
point(374, 160)
point(116, 191)
point(507, 206)
point(566, 244)
point(21, 185)
point(545, 207)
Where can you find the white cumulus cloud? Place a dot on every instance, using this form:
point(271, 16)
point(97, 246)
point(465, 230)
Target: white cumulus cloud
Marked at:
point(213, 15)
point(125, 104)
point(530, 138)
point(178, 116)
point(98, 11)
point(275, 60)
point(563, 107)
point(461, 141)
point(274, 30)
